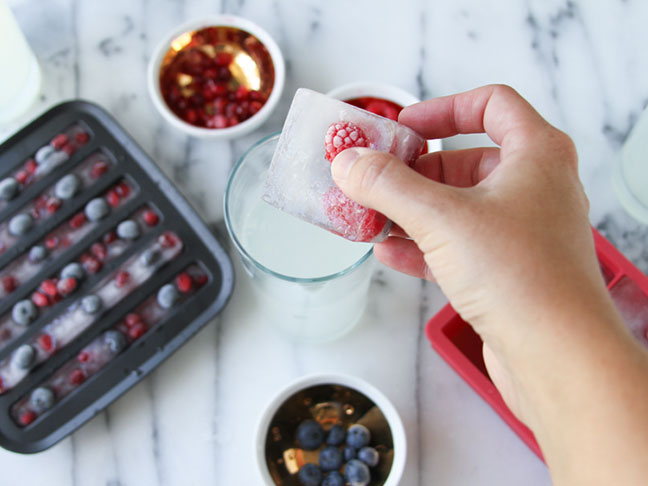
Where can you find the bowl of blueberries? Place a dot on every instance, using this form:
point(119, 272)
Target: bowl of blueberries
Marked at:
point(330, 430)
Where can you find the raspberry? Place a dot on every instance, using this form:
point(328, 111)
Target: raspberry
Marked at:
point(40, 300)
point(58, 141)
point(98, 169)
point(183, 282)
point(351, 220)
point(27, 417)
point(92, 264)
point(78, 220)
point(137, 331)
point(112, 198)
point(99, 250)
point(77, 377)
point(49, 287)
point(150, 218)
point(45, 342)
point(83, 356)
point(341, 136)
point(31, 166)
point(82, 138)
point(132, 319)
point(121, 278)
point(67, 286)
point(9, 283)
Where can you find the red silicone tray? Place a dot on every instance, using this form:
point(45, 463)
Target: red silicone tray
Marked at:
point(457, 343)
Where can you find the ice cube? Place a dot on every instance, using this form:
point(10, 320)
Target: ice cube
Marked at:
point(299, 179)
point(632, 304)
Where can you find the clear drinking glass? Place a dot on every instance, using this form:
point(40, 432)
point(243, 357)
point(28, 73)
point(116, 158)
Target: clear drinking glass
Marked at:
point(311, 284)
point(21, 77)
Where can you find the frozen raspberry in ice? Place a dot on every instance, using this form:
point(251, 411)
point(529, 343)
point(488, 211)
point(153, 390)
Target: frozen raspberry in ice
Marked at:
point(341, 136)
point(351, 220)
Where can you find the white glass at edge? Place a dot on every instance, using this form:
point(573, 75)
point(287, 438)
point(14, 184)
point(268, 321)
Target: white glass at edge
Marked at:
point(631, 172)
point(20, 80)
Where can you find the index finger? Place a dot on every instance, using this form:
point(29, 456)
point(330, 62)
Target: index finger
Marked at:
point(497, 110)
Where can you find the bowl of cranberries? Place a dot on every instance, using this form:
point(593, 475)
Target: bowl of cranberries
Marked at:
point(218, 77)
point(330, 430)
point(381, 99)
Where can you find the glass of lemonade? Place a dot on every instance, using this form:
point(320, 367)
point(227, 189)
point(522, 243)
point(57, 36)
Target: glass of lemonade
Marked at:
point(21, 77)
point(311, 284)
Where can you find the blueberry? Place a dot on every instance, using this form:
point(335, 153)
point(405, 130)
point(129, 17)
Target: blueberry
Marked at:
point(8, 188)
point(330, 458)
point(52, 161)
point(358, 436)
point(74, 270)
point(310, 475)
point(334, 478)
point(91, 304)
point(37, 253)
point(349, 453)
point(96, 209)
point(24, 312)
point(336, 435)
point(67, 187)
point(23, 357)
point(128, 230)
point(150, 256)
point(167, 296)
point(20, 224)
point(310, 435)
point(42, 398)
point(115, 341)
point(43, 153)
point(357, 473)
point(369, 456)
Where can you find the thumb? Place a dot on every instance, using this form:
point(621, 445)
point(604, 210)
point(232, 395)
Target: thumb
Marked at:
point(383, 182)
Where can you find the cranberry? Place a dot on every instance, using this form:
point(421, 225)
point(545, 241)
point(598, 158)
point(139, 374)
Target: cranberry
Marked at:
point(112, 198)
point(46, 342)
point(167, 240)
point(151, 218)
point(40, 300)
point(31, 166)
point(132, 319)
point(223, 59)
point(121, 278)
point(191, 116)
point(82, 138)
point(69, 149)
point(92, 264)
point(220, 105)
point(49, 287)
point(200, 280)
point(183, 282)
point(224, 74)
point(256, 96)
point(51, 242)
point(99, 250)
point(53, 205)
point(58, 141)
point(83, 356)
point(22, 177)
point(41, 201)
point(78, 220)
point(241, 93)
point(77, 377)
point(110, 237)
point(255, 106)
point(98, 169)
point(217, 121)
point(27, 417)
point(137, 331)
point(123, 189)
point(67, 286)
point(9, 283)
point(231, 121)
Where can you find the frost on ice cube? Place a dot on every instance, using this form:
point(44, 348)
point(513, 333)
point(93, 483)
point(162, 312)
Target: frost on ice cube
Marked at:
point(632, 304)
point(299, 180)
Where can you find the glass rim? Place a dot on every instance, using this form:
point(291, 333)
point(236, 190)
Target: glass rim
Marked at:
point(244, 252)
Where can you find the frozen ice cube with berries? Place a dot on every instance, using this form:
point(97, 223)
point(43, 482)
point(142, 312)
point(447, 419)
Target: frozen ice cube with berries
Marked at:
point(316, 130)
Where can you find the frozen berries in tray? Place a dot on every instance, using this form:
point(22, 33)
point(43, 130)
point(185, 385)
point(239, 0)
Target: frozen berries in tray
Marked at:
point(105, 270)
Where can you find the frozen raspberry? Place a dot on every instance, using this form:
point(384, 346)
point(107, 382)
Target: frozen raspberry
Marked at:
point(132, 319)
point(49, 287)
point(58, 141)
point(67, 285)
point(350, 219)
point(99, 250)
point(45, 342)
point(150, 218)
point(98, 169)
point(9, 283)
point(183, 282)
point(27, 417)
point(137, 331)
point(341, 136)
point(121, 278)
point(76, 377)
point(39, 299)
point(112, 198)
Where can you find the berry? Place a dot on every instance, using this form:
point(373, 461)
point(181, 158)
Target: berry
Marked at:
point(76, 377)
point(45, 342)
point(27, 417)
point(200, 280)
point(39, 299)
point(73, 270)
point(112, 198)
point(68, 149)
point(334, 478)
point(99, 250)
point(123, 189)
point(383, 108)
point(92, 265)
point(351, 220)
point(341, 136)
point(357, 473)
point(23, 357)
point(78, 220)
point(83, 356)
point(42, 399)
point(330, 458)
point(121, 278)
point(8, 188)
point(132, 319)
point(115, 341)
point(67, 285)
point(310, 435)
point(82, 138)
point(358, 436)
point(22, 177)
point(184, 282)
point(151, 218)
point(369, 456)
point(67, 187)
point(91, 304)
point(223, 59)
point(51, 242)
point(24, 312)
point(167, 296)
point(336, 435)
point(310, 475)
point(53, 205)
point(49, 287)
point(20, 224)
point(58, 141)
point(128, 230)
point(96, 209)
point(349, 453)
point(31, 166)
point(167, 240)
point(137, 331)
point(98, 169)
point(109, 237)
point(9, 283)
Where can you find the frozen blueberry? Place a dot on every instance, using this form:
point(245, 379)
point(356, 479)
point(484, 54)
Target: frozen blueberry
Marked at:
point(20, 224)
point(310, 475)
point(358, 436)
point(67, 187)
point(24, 312)
point(96, 209)
point(42, 398)
point(357, 473)
point(167, 296)
point(91, 304)
point(310, 435)
point(115, 341)
point(150, 256)
point(74, 270)
point(37, 253)
point(23, 357)
point(369, 456)
point(128, 230)
point(52, 161)
point(336, 435)
point(349, 453)
point(43, 153)
point(330, 458)
point(8, 188)
point(334, 478)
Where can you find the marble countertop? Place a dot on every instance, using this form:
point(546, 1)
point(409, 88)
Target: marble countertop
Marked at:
point(191, 422)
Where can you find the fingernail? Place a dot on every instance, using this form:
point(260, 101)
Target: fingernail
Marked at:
point(343, 162)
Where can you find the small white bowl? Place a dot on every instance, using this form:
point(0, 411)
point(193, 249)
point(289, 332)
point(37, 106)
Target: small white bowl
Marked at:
point(377, 397)
point(384, 91)
point(153, 77)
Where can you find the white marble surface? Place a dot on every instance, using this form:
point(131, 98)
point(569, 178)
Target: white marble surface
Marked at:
point(581, 63)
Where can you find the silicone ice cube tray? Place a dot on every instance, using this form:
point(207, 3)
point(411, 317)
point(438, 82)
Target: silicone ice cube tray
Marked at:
point(105, 270)
point(457, 343)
